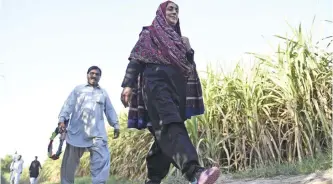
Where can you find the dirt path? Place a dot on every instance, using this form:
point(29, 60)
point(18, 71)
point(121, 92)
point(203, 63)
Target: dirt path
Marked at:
point(324, 177)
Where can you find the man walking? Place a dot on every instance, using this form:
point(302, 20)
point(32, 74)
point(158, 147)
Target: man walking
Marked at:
point(34, 170)
point(17, 169)
point(14, 158)
point(84, 109)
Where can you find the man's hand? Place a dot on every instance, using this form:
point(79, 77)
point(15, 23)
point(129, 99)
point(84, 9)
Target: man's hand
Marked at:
point(62, 127)
point(126, 96)
point(186, 41)
point(116, 133)
point(61, 124)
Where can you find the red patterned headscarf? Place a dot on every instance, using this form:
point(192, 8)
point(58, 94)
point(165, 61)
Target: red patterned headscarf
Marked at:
point(161, 43)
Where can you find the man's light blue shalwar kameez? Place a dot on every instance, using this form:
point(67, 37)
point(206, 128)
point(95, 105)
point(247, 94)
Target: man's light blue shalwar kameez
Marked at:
point(84, 108)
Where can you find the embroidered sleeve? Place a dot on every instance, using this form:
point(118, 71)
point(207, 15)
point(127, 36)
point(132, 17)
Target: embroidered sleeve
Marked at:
point(134, 68)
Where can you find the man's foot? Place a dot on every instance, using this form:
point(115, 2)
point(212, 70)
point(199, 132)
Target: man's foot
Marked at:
point(206, 176)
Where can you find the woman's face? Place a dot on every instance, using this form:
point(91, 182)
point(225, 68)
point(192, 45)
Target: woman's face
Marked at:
point(171, 13)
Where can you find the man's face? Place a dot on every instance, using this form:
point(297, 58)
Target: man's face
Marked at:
point(93, 77)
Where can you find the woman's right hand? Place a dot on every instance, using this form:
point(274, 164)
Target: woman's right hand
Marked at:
point(126, 96)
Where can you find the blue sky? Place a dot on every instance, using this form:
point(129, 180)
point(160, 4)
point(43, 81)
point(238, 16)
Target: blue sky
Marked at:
point(47, 46)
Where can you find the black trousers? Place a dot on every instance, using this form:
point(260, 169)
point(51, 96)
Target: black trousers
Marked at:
point(172, 146)
point(164, 90)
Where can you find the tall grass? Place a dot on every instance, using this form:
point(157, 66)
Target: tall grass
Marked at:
point(280, 112)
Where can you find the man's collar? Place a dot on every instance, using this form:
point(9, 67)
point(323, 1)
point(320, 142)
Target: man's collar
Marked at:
point(98, 86)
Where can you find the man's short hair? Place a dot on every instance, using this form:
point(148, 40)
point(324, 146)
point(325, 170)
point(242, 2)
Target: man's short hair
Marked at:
point(94, 68)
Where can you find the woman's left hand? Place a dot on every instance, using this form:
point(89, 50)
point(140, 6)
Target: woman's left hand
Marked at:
point(186, 41)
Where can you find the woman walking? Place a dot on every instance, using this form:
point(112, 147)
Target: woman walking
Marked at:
point(162, 89)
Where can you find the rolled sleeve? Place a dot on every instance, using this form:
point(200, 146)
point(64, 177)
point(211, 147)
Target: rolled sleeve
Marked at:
point(68, 107)
point(110, 112)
